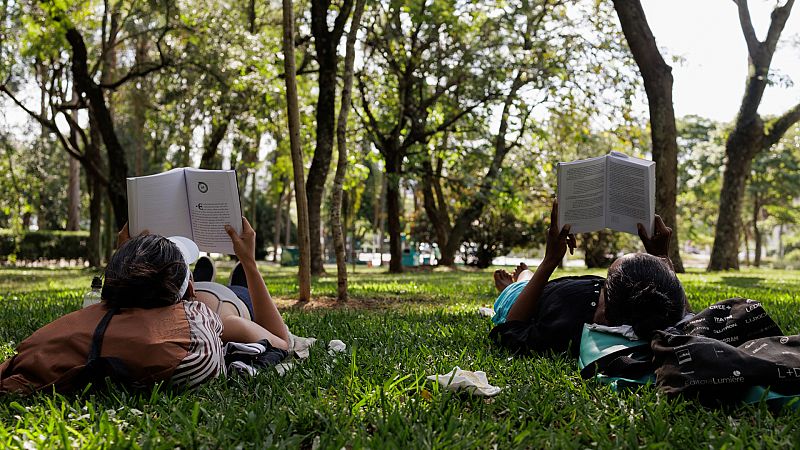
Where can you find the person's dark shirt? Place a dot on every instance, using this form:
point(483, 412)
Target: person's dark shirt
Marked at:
point(564, 306)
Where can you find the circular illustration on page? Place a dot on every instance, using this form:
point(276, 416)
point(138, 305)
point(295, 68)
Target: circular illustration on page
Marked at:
point(202, 187)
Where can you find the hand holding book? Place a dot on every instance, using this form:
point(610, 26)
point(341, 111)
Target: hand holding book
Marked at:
point(658, 244)
point(558, 240)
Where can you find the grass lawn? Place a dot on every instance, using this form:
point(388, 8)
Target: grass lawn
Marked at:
point(398, 330)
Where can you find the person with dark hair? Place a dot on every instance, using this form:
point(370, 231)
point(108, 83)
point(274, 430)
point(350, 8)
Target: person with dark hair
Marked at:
point(533, 314)
point(148, 327)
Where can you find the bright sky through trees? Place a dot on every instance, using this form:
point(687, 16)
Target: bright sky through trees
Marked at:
point(706, 36)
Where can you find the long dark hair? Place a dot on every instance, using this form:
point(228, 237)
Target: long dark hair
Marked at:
point(145, 272)
point(643, 291)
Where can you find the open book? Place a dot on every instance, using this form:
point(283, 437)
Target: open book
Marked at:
point(613, 191)
point(188, 202)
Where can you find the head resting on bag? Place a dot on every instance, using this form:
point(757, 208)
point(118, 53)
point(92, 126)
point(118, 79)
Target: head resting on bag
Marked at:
point(147, 271)
point(642, 291)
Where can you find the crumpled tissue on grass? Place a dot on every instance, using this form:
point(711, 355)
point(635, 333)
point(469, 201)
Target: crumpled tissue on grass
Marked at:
point(336, 346)
point(486, 312)
point(299, 349)
point(475, 383)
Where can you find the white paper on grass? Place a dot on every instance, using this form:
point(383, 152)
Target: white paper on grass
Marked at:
point(475, 383)
point(336, 346)
point(299, 346)
point(486, 312)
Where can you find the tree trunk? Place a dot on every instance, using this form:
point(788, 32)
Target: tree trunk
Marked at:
point(393, 166)
point(74, 195)
point(117, 163)
point(288, 237)
point(724, 253)
point(756, 232)
point(276, 236)
point(293, 113)
point(436, 213)
point(746, 239)
point(341, 147)
point(254, 197)
point(96, 196)
point(657, 75)
point(74, 180)
point(378, 211)
point(210, 158)
point(326, 42)
point(749, 136)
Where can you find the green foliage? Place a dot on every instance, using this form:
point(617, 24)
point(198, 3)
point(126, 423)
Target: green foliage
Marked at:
point(700, 162)
point(498, 232)
point(43, 244)
point(398, 330)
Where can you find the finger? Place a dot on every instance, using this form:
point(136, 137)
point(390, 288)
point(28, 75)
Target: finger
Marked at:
point(572, 243)
point(231, 232)
point(246, 225)
point(554, 215)
point(564, 232)
point(660, 226)
point(144, 232)
point(642, 232)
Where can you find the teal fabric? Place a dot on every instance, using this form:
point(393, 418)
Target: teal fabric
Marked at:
point(596, 344)
point(506, 300)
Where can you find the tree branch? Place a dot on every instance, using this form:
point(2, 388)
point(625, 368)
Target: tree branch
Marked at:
point(142, 70)
point(778, 20)
point(753, 44)
point(373, 128)
point(341, 20)
point(781, 125)
point(51, 125)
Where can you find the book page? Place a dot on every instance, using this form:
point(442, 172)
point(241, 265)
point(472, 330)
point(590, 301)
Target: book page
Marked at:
point(213, 203)
point(631, 193)
point(581, 194)
point(157, 203)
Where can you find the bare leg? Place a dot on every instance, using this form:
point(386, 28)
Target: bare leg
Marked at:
point(238, 329)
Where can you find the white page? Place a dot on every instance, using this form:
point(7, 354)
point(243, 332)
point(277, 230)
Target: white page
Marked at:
point(631, 193)
point(213, 203)
point(157, 203)
point(581, 194)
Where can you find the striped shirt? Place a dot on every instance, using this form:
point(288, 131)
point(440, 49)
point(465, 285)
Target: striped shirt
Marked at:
point(205, 359)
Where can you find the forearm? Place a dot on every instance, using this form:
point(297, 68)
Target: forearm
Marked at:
point(265, 312)
point(525, 306)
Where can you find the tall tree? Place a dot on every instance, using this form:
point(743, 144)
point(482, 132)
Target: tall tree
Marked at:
point(750, 136)
point(341, 148)
point(657, 75)
point(293, 115)
point(326, 42)
point(428, 57)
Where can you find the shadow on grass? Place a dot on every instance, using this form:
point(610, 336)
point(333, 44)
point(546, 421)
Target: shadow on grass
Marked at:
point(742, 282)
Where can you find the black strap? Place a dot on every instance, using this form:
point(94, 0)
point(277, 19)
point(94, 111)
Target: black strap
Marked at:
point(97, 338)
point(98, 367)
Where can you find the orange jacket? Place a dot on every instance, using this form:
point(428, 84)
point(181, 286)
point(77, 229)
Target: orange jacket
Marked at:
point(148, 344)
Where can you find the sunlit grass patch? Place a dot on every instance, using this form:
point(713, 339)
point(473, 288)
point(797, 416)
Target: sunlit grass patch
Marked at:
point(375, 394)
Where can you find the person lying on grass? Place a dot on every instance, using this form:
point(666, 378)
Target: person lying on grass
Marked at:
point(148, 328)
point(641, 290)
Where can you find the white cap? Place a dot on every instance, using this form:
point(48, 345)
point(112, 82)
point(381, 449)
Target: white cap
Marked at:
point(187, 247)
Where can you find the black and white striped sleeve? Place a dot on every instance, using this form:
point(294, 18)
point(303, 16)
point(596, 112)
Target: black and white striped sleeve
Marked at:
point(205, 359)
